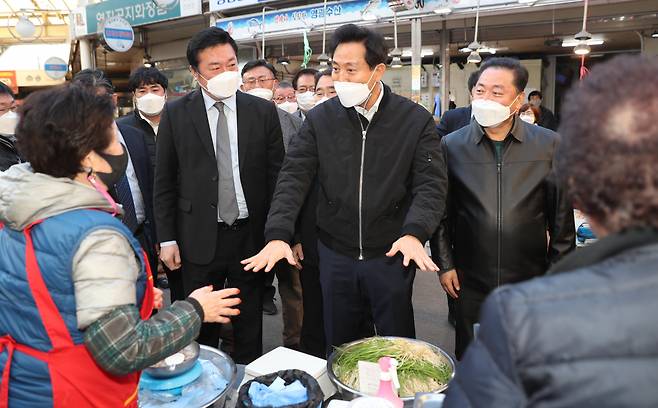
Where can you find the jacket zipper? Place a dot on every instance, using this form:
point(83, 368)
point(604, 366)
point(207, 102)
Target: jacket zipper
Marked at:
point(500, 215)
point(363, 156)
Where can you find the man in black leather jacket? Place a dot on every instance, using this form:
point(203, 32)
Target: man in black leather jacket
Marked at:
point(585, 336)
point(502, 200)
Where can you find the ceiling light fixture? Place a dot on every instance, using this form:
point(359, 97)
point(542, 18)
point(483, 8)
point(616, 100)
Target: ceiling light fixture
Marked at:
point(283, 60)
point(396, 53)
point(262, 29)
point(654, 34)
point(573, 42)
point(474, 57)
point(583, 48)
point(324, 58)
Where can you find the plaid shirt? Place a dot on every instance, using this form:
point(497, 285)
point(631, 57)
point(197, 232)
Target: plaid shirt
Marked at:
point(122, 343)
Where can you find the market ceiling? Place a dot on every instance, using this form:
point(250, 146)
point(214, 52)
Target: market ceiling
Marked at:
point(49, 16)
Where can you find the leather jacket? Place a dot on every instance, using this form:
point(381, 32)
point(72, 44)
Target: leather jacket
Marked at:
point(500, 211)
point(8, 153)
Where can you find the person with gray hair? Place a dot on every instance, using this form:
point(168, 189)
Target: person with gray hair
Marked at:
point(585, 336)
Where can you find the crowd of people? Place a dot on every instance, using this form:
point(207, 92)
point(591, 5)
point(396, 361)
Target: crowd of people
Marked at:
point(334, 184)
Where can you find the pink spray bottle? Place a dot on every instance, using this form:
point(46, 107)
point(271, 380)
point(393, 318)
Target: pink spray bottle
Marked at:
point(388, 380)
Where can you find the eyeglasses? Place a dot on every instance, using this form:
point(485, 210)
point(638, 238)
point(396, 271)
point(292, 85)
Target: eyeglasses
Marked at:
point(259, 81)
point(281, 99)
point(303, 89)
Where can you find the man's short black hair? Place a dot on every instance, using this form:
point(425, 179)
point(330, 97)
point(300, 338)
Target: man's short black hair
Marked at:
point(535, 93)
point(302, 72)
point(258, 63)
point(607, 155)
point(285, 85)
point(376, 50)
point(146, 76)
point(6, 90)
point(320, 74)
point(512, 64)
point(473, 80)
point(206, 38)
point(93, 79)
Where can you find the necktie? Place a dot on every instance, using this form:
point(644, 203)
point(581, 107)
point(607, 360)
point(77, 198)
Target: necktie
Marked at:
point(227, 204)
point(125, 198)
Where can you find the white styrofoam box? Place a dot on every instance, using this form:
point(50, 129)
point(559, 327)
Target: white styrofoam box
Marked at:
point(282, 358)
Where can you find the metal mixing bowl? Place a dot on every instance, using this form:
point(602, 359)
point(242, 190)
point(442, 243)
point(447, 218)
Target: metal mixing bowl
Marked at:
point(176, 369)
point(348, 393)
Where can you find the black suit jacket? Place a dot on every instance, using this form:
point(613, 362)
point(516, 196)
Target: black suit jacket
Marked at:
point(137, 122)
point(139, 157)
point(186, 172)
point(454, 119)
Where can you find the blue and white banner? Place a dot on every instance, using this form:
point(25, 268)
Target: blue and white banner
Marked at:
point(222, 5)
point(311, 17)
point(300, 18)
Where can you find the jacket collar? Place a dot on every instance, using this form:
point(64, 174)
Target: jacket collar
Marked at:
point(477, 134)
point(605, 248)
point(383, 100)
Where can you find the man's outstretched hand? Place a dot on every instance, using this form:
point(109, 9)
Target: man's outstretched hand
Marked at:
point(412, 250)
point(272, 253)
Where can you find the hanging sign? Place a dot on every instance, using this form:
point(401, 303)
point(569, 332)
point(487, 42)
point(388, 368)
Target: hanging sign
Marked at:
point(89, 20)
point(118, 35)
point(55, 68)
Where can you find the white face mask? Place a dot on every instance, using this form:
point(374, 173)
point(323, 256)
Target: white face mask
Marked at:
point(223, 85)
point(490, 113)
point(290, 107)
point(150, 104)
point(8, 123)
point(323, 100)
point(353, 93)
point(306, 100)
point(262, 93)
point(528, 118)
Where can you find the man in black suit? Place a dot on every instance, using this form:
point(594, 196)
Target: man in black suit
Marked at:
point(134, 190)
point(219, 152)
point(149, 88)
point(456, 119)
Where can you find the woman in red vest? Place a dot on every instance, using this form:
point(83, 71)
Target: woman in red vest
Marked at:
point(76, 293)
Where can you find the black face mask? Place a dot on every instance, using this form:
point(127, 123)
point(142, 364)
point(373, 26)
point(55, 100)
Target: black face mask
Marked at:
point(118, 163)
